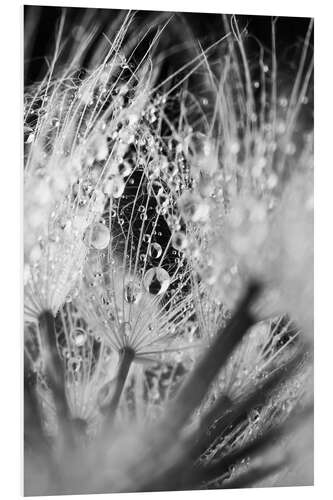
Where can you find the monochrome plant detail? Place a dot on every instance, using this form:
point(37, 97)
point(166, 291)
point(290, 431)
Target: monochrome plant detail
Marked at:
point(167, 239)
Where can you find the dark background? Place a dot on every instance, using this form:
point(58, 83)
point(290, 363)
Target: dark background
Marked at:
point(290, 32)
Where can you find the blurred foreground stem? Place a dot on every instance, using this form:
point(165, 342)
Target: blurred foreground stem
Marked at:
point(197, 385)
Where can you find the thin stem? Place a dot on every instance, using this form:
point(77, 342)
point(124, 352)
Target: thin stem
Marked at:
point(127, 357)
point(225, 416)
point(252, 449)
point(31, 404)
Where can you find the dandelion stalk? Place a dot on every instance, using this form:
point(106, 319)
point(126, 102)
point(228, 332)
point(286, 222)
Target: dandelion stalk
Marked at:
point(192, 473)
point(31, 402)
point(259, 395)
point(54, 371)
point(126, 358)
point(226, 340)
point(254, 448)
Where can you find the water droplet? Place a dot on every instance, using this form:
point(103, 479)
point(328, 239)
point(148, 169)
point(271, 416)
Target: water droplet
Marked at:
point(124, 169)
point(79, 337)
point(31, 138)
point(156, 280)
point(254, 415)
point(74, 364)
point(171, 169)
point(97, 236)
point(132, 292)
point(283, 101)
point(98, 201)
point(234, 148)
point(155, 250)
point(124, 88)
point(66, 354)
point(281, 127)
point(162, 199)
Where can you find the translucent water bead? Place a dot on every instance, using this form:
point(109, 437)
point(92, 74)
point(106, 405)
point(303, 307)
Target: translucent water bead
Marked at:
point(79, 337)
point(97, 236)
point(156, 280)
point(132, 292)
point(179, 241)
point(155, 250)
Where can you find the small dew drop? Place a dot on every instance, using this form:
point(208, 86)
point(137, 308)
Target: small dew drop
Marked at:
point(31, 138)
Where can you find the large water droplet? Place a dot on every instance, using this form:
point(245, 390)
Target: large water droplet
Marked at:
point(97, 236)
point(132, 292)
point(156, 280)
point(155, 250)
